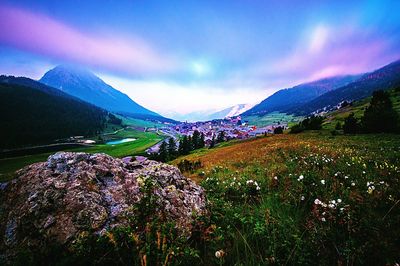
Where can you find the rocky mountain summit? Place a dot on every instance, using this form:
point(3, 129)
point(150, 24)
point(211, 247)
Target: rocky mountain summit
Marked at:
point(72, 193)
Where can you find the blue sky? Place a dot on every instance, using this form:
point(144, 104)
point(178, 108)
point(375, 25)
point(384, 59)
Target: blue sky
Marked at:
point(185, 56)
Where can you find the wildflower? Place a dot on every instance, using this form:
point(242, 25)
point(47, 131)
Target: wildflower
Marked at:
point(353, 184)
point(323, 182)
point(275, 177)
point(302, 198)
point(370, 189)
point(339, 200)
point(317, 202)
point(323, 219)
point(301, 177)
point(219, 254)
point(345, 177)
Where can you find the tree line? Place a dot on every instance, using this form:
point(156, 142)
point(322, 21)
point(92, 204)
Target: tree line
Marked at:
point(310, 123)
point(379, 117)
point(34, 117)
point(170, 149)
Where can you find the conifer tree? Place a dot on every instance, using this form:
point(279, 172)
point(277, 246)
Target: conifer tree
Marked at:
point(212, 144)
point(196, 139)
point(172, 152)
point(380, 115)
point(163, 152)
point(202, 142)
point(221, 136)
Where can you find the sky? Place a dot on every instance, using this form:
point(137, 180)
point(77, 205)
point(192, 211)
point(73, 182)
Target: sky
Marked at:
point(180, 57)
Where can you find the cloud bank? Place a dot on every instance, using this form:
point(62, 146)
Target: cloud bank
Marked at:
point(43, 35)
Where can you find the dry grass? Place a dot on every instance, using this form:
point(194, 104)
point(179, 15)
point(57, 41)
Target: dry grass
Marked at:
point(260, 151)
point(263, 151)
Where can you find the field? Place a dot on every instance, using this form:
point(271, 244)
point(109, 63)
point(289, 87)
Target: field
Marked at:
point(310, 198)
point(271, 118)
point(139, 122)
point(143, 141)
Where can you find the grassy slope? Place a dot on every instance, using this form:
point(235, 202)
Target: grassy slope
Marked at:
point(274, 224)
point(139, 122)
point(280, 222)
point(144, 141)
point(358, 110)
point(242, 155)
point(271, 118)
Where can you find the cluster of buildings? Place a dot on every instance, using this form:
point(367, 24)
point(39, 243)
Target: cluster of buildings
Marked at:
point(233, 128)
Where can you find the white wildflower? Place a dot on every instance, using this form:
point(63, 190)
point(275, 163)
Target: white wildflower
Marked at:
point(317, 202)
point(219, 254)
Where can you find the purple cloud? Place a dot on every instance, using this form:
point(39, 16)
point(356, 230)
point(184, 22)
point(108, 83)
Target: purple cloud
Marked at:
point(43, 35)
point(328, 51)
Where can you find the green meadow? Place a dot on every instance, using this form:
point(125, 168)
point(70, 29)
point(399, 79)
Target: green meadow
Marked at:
point(143, 141)
point(271, 118)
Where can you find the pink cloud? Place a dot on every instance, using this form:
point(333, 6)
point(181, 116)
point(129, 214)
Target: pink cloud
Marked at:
point(43, 35)
point(330, 51)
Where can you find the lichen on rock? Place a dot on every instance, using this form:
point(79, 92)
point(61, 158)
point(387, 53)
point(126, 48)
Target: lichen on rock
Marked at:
point(72, 193)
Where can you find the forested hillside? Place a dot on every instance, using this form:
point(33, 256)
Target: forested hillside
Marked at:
point(31, 116)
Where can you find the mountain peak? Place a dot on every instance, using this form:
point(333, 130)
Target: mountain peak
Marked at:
point(85, 85)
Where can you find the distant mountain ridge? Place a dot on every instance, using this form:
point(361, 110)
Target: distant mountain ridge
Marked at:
point(287, 99)
point(383, 78)
point(86, 86)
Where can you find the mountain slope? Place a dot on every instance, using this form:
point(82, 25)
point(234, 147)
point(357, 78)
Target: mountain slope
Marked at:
point(384, 78)
point(90, 88)
point(231, 111)
point(285, 99)
point(33, 113)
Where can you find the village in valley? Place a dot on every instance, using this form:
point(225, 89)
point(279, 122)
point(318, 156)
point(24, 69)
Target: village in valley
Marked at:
point(228, 128)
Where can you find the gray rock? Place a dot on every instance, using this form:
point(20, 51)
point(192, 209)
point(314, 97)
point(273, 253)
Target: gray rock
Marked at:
point(71, 193)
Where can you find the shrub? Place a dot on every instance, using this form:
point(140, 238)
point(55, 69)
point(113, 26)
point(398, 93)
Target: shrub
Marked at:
point(189, 166)
point(296, 129)
point(310, 123)
point(278, 130)
point(380, 115)
point(351, 125)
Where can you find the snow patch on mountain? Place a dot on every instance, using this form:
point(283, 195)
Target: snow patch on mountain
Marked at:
point(239, 109)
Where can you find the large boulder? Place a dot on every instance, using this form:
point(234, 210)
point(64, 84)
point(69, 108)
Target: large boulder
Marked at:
point(72, 193)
